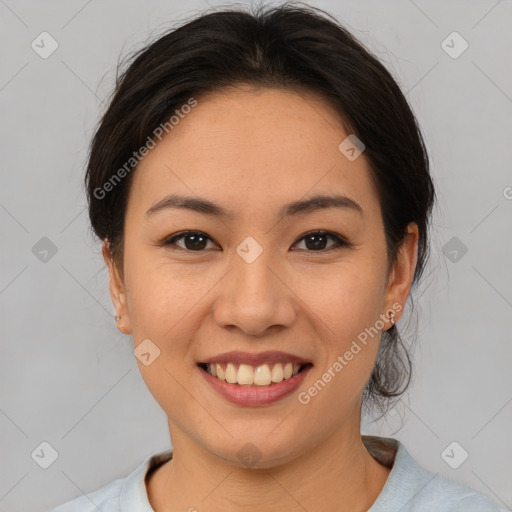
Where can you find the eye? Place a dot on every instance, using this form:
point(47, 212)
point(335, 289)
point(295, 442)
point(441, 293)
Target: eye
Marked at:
point(315, 241)
point(194, 240)
point(318, 241)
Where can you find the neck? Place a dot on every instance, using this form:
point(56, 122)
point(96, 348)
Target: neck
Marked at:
point(338, 476)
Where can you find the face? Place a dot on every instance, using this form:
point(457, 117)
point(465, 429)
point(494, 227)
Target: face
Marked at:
point(257, 278)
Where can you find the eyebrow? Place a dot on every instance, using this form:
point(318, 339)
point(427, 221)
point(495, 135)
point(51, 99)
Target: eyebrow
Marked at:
point(205, 206)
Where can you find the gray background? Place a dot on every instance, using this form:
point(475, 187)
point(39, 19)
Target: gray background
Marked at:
point(69, 378)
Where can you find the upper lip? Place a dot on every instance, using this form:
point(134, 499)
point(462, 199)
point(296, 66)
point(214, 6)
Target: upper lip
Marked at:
point(271, 356)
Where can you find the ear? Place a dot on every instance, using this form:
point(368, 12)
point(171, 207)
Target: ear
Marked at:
point(402, 273)
point(117, 290)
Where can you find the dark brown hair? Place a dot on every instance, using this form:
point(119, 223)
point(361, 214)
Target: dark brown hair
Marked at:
point(289, 46)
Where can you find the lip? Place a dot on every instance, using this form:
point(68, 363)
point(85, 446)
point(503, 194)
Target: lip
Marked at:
point(271, 356)
point(252, 396)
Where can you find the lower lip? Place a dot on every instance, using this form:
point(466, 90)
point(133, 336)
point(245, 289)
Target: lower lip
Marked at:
point(255, 395)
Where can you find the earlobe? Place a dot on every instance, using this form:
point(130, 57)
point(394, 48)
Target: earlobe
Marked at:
point(117, 291)
point(120, 325)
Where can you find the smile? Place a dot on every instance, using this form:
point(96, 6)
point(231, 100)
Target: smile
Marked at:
point(267, 374)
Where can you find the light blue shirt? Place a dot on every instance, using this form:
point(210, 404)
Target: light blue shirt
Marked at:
point(409, 488)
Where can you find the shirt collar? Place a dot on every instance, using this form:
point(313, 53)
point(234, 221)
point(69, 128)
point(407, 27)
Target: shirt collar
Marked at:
point(134, 496)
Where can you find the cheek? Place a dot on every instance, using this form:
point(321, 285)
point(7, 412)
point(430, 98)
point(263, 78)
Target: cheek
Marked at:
point(347, 305)
point(346, 300)
point(347, 352)
point(161, 306)
point(166, 305)
point(158, 294)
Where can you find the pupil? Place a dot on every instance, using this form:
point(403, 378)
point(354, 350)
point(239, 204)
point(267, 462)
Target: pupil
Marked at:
point(315, 244)
point(195, 245)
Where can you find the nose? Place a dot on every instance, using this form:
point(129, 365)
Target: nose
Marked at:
point(254, 297)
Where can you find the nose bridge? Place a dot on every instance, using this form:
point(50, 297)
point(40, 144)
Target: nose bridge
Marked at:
point(253, 298)
point(254, 277)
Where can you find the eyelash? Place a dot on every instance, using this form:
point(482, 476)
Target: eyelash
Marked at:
point(340, 242)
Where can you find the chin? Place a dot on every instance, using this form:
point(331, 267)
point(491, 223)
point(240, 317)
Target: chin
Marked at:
point(256, 452)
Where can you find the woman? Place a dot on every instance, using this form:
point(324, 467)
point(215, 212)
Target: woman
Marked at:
point(263, 195)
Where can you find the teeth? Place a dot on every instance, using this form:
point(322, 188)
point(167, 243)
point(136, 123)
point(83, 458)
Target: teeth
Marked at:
point(245, 374)
point(277, 373)
point(248, 375)
point(262, 376)
point(218, 371)
point(231, 374)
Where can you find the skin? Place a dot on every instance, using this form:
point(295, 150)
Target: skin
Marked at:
point(253, 150)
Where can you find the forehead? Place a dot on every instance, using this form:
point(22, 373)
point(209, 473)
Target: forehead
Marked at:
point(254, 145)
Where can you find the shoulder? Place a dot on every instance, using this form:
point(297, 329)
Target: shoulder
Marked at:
point(106, 499)
point(124, 494)
point(444, 495)
point(411, 488)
